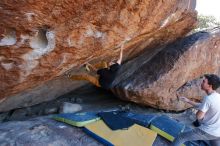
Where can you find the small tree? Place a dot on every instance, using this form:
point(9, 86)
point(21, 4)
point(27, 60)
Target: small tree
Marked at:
point(206, 22)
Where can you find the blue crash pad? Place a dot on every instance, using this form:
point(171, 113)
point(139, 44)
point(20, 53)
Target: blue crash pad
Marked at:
point(77, 119)
point(167, 127)
point(141, 119)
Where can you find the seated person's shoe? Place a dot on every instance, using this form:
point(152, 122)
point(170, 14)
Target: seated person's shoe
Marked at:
point(196, 123)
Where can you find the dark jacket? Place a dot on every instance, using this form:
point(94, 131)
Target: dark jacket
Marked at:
point(107, 76)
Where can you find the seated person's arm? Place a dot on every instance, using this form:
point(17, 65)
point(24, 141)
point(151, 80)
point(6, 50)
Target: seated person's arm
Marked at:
point(200, 115)
point(187, 100)
point(202, 109)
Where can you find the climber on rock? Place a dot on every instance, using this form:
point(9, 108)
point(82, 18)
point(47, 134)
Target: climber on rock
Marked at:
point(105, 74)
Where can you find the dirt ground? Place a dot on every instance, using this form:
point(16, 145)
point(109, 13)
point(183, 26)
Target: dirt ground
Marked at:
point(90, 99)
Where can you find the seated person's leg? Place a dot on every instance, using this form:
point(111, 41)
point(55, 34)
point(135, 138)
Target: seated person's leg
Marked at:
point(215, 142)
point(191, 135)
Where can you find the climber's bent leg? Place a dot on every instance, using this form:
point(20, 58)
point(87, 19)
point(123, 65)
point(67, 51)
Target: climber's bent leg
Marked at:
point(101, 65)
point(95, 67)
point(92, 79)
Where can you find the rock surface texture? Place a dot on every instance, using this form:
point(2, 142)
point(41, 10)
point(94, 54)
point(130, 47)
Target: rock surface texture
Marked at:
point(173, 70)
point(43, 131)
point(40, 40)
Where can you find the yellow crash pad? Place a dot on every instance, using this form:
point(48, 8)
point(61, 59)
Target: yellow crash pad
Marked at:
point(135, 135)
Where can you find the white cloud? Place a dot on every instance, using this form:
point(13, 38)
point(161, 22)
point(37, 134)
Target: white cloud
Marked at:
point(208, 7)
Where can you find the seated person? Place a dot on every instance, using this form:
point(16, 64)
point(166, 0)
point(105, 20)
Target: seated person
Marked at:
point(208, 114)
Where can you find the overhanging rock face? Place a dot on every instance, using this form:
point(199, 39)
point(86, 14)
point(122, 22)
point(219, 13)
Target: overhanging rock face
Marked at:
point(157, 81)
point(40, 40)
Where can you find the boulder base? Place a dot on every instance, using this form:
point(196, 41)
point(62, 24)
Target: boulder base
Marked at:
point(170, 72)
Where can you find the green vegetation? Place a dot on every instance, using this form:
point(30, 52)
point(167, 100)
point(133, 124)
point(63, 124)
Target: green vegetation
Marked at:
point(206, 22)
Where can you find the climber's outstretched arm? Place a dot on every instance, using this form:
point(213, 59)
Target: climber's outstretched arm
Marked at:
point(121, 54)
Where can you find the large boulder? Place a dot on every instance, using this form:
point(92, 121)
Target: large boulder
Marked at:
point(174, 70)
point(40, 40)
point(41, 93)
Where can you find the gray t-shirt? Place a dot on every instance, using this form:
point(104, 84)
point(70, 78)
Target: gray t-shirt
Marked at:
point(211, 121)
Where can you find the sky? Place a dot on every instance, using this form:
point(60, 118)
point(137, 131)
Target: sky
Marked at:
point(209, 7)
